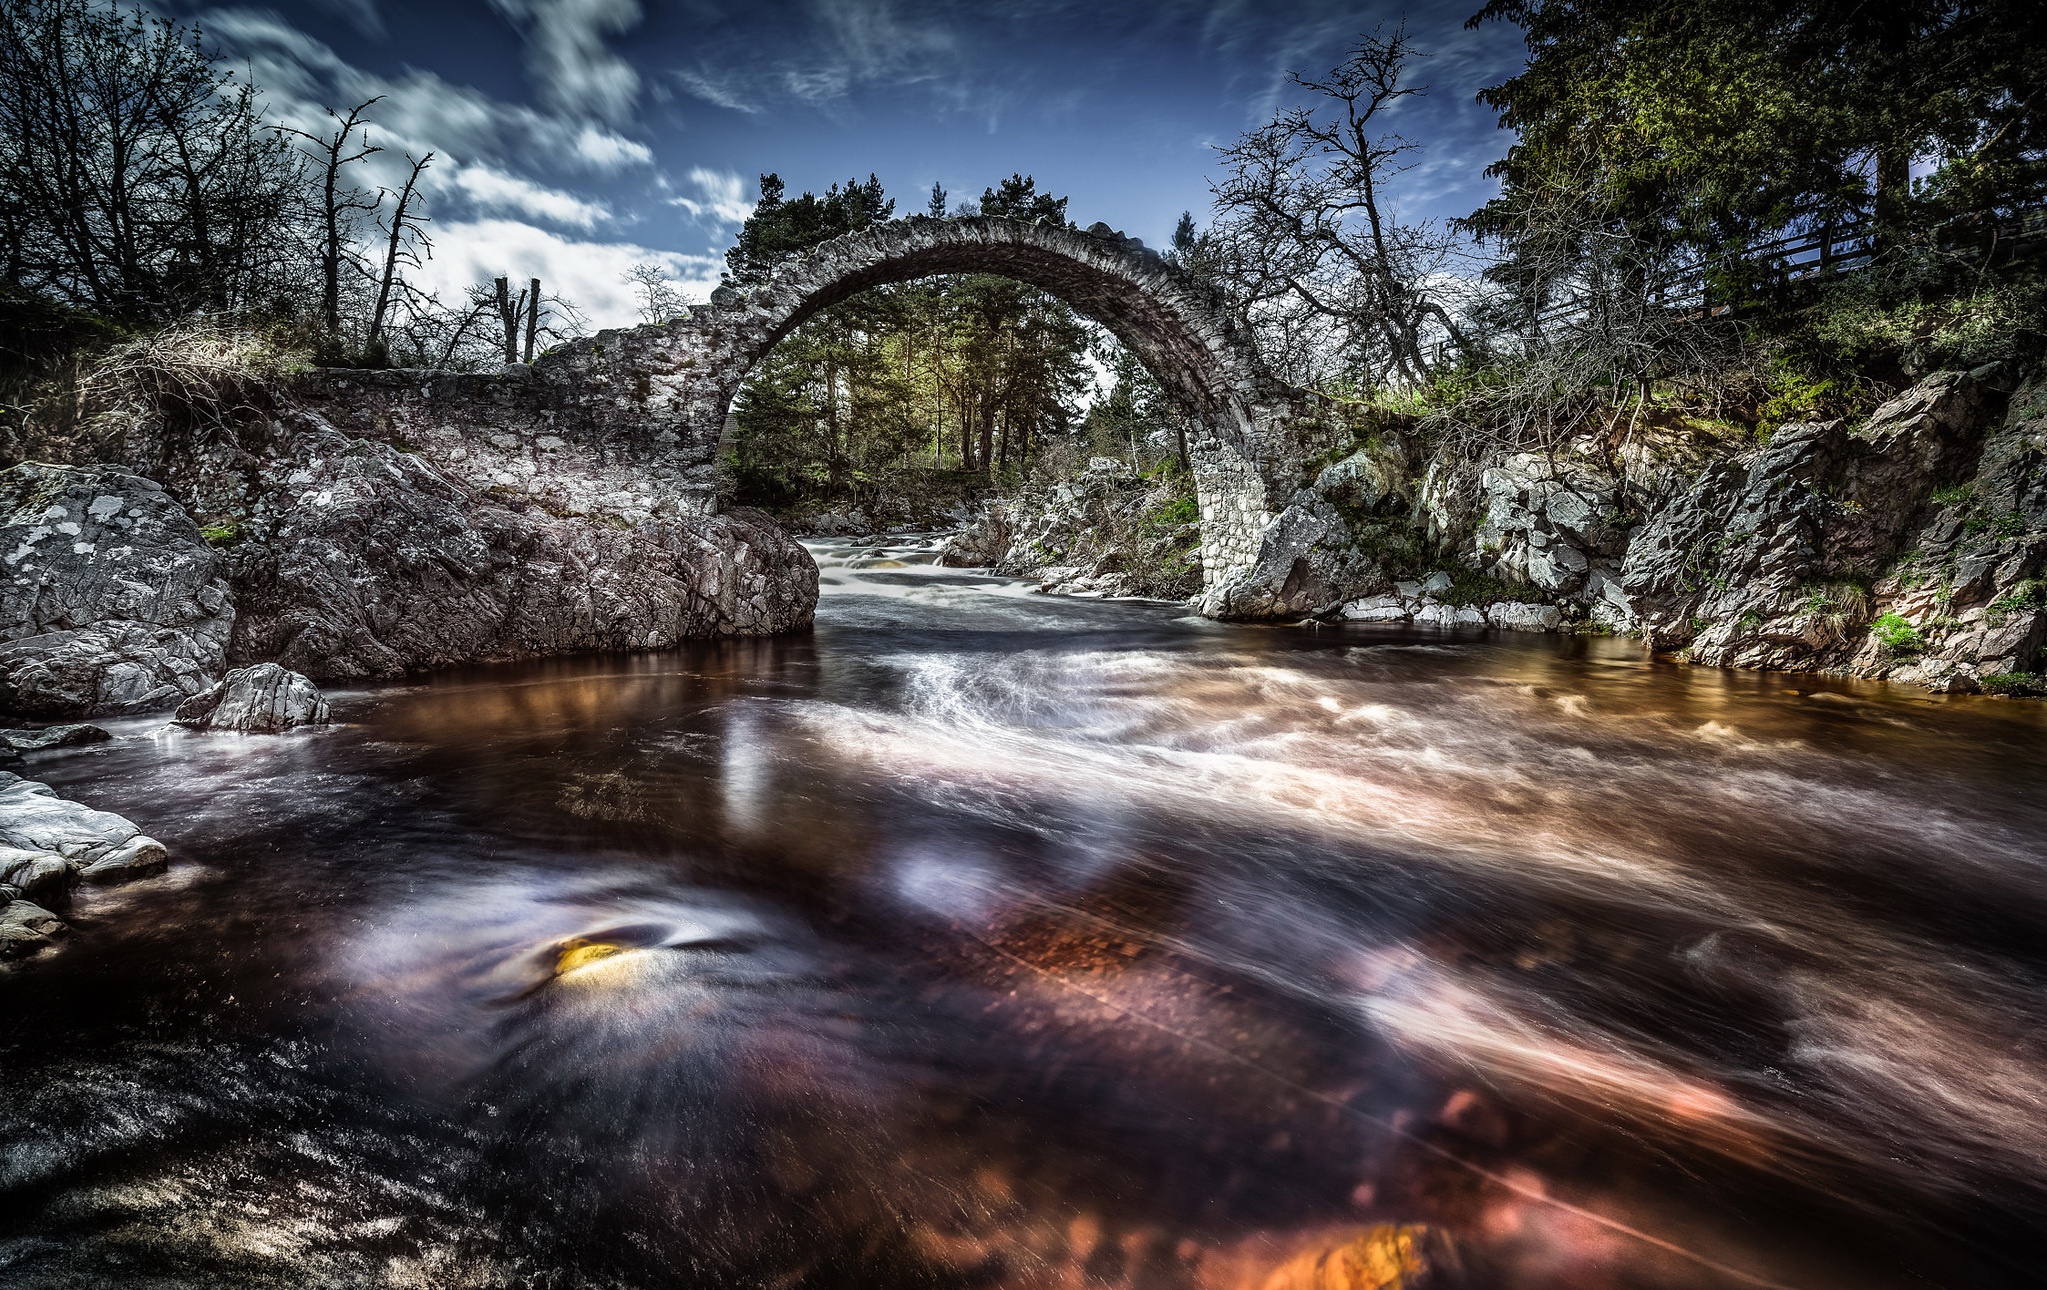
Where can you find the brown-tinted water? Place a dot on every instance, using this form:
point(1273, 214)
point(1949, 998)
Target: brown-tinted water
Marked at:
point(988, 940)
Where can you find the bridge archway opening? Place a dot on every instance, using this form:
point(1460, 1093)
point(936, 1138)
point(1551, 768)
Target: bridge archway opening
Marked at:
point(1191, 348)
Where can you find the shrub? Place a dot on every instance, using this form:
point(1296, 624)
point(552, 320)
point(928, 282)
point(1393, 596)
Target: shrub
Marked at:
point(1896, 634)
point(2017, 684)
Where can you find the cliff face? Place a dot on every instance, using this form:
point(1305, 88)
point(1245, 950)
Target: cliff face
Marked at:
point(110, 598)
point(1910, 546)
point(364, 526)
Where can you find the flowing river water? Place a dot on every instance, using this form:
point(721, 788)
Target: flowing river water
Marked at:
point(984, 939)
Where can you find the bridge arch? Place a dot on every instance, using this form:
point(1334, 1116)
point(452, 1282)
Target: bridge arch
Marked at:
point(688, 373)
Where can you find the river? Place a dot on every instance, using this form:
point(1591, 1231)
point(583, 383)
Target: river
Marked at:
point(988, 939)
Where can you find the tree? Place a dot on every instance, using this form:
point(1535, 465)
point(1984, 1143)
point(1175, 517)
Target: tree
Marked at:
point(780, 229)
point(1019, 198)
point(136, 179)
point(1315, 251)
point(660, 300)
point(341, 207)
point(404, 242)
point(1717, 127)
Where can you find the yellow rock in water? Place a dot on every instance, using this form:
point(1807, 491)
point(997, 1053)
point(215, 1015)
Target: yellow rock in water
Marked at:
point(1387, 1257)
point(581, 953)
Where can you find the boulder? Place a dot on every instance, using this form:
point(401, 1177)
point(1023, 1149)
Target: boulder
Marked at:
point(379, 565)
point(111, 600)
point(71, 736)
point(1524, 616)
point(1377, 609)
point(26, 927)
point(1280, 582)
point(49, 844)
point(982, 544)
point(34, 818)
point(262, 699)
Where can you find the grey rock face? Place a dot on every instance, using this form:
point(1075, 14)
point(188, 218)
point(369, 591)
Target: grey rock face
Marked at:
point(984, 543)
point(1281, 580)
point(263, 699)
point(369, 561)
point(1789, 557)
point(1553, 524)
point(110, 600)
point(49, 844)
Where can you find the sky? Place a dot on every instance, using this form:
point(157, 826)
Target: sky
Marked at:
point(575, 138)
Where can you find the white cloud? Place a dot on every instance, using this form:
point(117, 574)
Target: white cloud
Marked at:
point(721, 197)
point(607, 151)
point(300, 76)
point(495, 190)
point(590, 274)
point(566, 53)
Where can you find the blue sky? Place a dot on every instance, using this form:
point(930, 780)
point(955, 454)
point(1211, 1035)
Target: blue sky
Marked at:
point(576, 137)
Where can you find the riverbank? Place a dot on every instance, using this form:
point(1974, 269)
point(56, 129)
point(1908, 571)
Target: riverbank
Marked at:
point(1910, 545)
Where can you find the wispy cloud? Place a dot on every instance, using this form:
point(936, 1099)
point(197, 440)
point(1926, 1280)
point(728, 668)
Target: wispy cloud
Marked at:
point(822, 53)
point(362, 14)
point(604, 150)
point(567, 56)
point(302, 77)
point(492, 189)
point(721, 197)
point(494, 211)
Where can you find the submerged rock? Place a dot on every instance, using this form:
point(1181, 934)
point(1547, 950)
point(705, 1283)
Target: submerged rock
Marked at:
point(262, 699)
point(26, 927)
point(70, 736)
point(111, 600)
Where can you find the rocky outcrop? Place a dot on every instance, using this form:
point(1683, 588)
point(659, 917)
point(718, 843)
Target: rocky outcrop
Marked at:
point(1558, 525)
point(110, 601)
point(50, 844)
point(263, 699)
point(373, 563)
point(1344, 535)
point(71, 736)
point(380, 523)
point(1902, 547)
point(1107, 532)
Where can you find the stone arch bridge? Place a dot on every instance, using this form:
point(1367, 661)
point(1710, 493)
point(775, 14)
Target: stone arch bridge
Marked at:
point(658, 396)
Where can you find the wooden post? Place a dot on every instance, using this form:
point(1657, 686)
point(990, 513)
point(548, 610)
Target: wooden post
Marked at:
point(532, 317)
point(508, 320)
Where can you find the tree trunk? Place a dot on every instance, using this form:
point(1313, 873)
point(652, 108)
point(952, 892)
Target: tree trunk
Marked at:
point(532, 318)
point(508, 320)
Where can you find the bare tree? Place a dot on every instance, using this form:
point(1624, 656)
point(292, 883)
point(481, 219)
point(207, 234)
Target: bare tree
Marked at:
point(660, 299)
point(1584, 322)
point(341, 205)
point(136, 179)
point(1309, 237)
point(405, 241)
